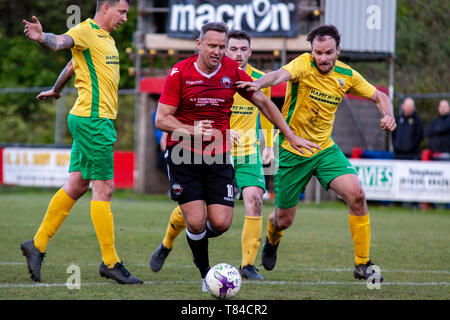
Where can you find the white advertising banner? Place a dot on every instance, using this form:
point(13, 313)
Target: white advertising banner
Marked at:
point(36, 166)
point(402, 180)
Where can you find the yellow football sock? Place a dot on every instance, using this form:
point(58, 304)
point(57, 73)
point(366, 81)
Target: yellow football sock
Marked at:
point(175, 226)
point(360, 230)
point(57, 211)
point(273, 235)
point(103, 221)
point(251, 239)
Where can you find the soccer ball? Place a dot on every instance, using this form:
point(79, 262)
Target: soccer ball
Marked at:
point(223, 281)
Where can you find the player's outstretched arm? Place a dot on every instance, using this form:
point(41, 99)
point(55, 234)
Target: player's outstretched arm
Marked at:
point(33, 31)
point(59, 85)
point(270, 110)
point(268, 130)
point(384, 105)
point(268, 80)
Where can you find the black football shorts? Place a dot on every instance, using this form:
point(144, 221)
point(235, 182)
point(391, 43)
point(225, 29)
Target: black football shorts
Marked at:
point(196, 179)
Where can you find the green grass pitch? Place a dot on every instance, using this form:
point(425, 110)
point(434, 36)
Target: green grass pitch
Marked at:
point(315, 256)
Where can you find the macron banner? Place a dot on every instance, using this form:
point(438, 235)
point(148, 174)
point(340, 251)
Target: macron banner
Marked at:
point(402, 180)
point(260, 18)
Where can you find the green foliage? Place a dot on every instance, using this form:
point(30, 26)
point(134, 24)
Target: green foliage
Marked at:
point(52, 15)
point(124, 39)
point(26, 64)
point(422, 53)
point(421, 63)
point(37, 127)
point(422, 46)
point(125, 123)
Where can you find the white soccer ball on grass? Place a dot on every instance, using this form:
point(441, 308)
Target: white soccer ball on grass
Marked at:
point(223, 281)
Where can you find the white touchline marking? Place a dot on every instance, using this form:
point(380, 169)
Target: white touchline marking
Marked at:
point(260, 283)
point(356, 282)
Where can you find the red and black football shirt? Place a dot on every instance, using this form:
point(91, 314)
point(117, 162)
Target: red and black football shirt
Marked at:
point(199, 96)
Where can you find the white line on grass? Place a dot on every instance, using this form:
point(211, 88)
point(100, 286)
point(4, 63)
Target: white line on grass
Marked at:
point(265, 282)
point(313, 283)
point(279, 269)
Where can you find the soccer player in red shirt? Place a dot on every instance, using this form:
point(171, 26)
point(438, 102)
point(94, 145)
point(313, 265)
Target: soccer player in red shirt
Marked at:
point(194, 108)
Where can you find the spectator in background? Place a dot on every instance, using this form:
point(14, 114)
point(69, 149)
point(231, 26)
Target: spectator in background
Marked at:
point(409, 133)
point(438, 131)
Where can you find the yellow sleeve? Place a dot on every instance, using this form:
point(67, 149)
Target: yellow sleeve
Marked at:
point(80, 35)
point(298, 67)
point(266, 125)
point(361, 87)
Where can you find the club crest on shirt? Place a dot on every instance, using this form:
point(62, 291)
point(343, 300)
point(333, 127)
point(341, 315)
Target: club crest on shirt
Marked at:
point(177, 189)
point(341, 82)
point(226, 82)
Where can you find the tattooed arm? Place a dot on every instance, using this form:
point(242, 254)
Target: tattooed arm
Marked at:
point(33, 31)
point(56, 42)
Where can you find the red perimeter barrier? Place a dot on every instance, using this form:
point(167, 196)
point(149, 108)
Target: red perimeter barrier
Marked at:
point(357, 153)
point(123, 169)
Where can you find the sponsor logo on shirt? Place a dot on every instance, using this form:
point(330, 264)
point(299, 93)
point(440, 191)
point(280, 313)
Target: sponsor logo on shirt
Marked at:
point(174, 70)
point(324, 97)
point(207, 101)
point(247, 110)
point(112, 59)
point(194, 82)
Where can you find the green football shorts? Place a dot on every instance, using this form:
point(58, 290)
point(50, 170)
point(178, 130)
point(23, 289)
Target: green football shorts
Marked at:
point(249, 172)
point(92, 149)
point(294, 173)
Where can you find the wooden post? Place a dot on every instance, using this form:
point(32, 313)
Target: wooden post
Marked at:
point(148, 179)
point(142, 127)
point(389, 146)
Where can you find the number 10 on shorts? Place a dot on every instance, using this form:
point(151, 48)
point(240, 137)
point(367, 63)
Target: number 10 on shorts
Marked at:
point(230, 190)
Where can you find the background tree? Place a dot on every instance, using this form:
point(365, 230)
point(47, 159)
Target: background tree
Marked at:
point(26, 64)
point(421, 63)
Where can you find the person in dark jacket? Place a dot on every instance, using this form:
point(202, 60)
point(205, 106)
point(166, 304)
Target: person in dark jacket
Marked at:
point(438, 131)
point(409, 133)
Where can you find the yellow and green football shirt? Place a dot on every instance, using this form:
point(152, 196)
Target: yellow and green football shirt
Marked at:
point(96, 66)
point(244, 120)
point(312, 99)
